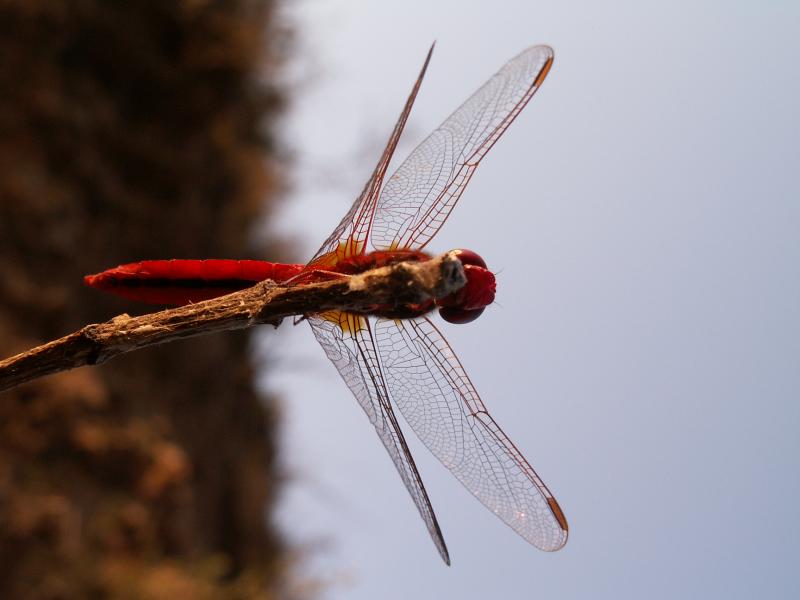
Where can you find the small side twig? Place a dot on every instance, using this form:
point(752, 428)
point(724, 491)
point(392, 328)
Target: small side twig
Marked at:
point(265, 302)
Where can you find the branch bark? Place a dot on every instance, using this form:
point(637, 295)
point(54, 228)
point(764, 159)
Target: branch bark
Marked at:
point(266, 302)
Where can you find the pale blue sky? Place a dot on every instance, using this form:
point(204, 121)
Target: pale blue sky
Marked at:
point(643, 213)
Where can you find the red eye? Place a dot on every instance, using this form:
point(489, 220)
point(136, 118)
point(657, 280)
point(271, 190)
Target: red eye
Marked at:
point(459, 316)
point(468, 257)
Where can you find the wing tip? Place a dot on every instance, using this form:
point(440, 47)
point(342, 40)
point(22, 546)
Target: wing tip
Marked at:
point(560, 519)
point(438, 537)
point(540, 77)
point(426, 63)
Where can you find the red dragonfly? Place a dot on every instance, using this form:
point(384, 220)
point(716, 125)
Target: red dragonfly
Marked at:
point(395, 356)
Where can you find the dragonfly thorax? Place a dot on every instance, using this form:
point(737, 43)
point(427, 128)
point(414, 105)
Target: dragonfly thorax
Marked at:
point(462, 306)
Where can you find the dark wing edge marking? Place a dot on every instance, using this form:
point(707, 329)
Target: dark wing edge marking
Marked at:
point(419, 197)
point(354, 228)
point(436, 397)
point(355, 357)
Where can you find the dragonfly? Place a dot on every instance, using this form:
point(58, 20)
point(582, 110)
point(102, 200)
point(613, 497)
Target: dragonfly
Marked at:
point(395, 357)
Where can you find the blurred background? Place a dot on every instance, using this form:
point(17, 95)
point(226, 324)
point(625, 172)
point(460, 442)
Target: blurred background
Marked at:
point(135, 130)
point(642, 214)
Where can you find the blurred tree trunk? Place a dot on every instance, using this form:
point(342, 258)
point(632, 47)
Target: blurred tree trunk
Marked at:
point(133, 130)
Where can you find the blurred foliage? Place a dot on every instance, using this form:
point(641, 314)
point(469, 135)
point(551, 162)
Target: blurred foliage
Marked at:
point(134, 130)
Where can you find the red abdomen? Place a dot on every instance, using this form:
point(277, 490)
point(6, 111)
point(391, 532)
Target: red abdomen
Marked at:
point(179, 282)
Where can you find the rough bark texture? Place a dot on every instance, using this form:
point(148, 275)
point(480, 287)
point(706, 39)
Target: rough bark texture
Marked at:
point(133, 130)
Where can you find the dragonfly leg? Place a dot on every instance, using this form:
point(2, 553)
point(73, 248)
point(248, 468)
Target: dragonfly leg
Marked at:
point(313, 276)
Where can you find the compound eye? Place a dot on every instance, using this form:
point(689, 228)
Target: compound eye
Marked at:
point(468, 257)
point(459, 316)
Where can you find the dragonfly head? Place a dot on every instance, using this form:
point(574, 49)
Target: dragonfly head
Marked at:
point(468, 303)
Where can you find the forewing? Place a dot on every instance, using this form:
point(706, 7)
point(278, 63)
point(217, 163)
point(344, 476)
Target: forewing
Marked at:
point(420, 195)
point(436, 397)
point(347, 340)
point(350, 236)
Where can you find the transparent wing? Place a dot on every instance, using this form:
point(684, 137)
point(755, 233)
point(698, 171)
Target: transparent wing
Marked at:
point(350, 235)
point(420, 195)
point(348, 342)
point(436, 397)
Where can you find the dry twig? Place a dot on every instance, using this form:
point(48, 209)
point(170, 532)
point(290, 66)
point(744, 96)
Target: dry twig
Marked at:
point(265, 302)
